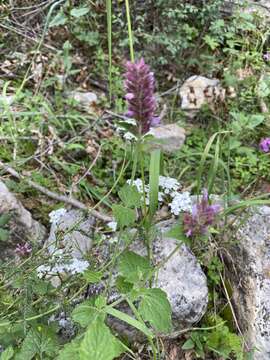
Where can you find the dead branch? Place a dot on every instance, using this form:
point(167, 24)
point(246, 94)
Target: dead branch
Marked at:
point(62, 198)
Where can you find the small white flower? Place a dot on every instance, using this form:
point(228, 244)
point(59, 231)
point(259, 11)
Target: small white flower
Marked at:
point(75, 266)
point(56, 215)
point(112, 225)
point(181, 202)
point(139, 185)
point(168, 184)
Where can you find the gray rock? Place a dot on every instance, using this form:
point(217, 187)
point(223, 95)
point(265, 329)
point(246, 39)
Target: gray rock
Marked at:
point(22, 227)
point(86, 100)
point(72, 231)
point(181, 277)
point(168, 138)
point(251, 279)
point(249, 6)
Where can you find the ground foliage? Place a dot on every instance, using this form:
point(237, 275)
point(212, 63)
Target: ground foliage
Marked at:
point(51, 48)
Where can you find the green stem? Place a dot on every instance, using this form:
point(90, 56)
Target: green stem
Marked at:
point(109, 31)
point(130, 37)
point(139, 318)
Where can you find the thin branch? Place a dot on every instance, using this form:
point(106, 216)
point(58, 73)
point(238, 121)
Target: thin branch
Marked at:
point(62, 198)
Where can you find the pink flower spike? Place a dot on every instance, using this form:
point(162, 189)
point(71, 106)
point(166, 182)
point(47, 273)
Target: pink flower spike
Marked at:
point(139, 85)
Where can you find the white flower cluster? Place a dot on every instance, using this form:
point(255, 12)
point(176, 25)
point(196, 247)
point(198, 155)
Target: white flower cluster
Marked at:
point(139, 185)
point(180, 201)
point(75, 266)
point(168, 184)
point(56, 215)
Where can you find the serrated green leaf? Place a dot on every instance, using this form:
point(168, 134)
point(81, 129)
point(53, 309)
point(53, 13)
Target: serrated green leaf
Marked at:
point(100, 302)
point(130, 196)
point(99, 343)
point(188, 345)
point(92, 277)
point(70, 351)
point(37, 342)
point(79, 12)
point(255, 120)
point(75, 146)
point(133, 267)
point(123, 215)
point(86, 313)
point(59, 19)
point(4, 234)
point(155, 308)
point(4, 219)
point(177, 232)
point(7, 354)
point(122, 285)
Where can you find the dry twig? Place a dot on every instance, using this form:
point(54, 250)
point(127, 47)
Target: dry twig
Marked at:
point(71, 201)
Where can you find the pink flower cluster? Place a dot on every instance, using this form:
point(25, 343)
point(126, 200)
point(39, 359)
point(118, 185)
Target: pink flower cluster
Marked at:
point(139, 86)
point(265, 145)
point(202, 216)
point(23, 250)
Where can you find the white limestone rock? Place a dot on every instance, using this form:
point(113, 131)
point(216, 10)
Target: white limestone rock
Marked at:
point(168, 138)
point(72, 231)
point(22, 227)
point(251, 279)
point(181, 277)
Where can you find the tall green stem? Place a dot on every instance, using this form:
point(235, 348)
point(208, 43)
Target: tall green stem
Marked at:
point(109, 34)
point(130, 36)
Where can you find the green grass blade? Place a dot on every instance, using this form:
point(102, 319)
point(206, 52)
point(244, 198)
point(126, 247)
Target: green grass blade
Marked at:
point(129, 320)
point(154, 181)
point(214, 167)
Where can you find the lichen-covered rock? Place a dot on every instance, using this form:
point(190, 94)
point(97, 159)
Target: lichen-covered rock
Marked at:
point(251, 279)
point(249, 6)
point(199, 90)
point(181, 277)
point(21, 226)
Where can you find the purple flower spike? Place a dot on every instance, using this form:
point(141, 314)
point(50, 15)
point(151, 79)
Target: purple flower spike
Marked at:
point(139, 85)
point(23, 250)
point(203, 215)
point(265, 145)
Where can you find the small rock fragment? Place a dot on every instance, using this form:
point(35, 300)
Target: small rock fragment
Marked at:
point(86, 100)
point(168, 138)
